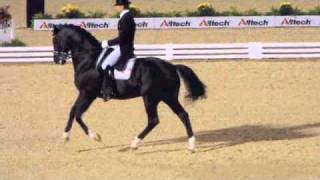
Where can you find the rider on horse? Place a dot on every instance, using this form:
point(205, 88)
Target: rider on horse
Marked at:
point(122, 48)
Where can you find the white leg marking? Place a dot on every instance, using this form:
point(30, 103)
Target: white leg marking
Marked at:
point(66, 136)
point(135, 143)
point(94, 136)
point(192, 144)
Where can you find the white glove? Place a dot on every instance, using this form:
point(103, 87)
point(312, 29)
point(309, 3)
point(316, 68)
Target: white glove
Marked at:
point(104, 44)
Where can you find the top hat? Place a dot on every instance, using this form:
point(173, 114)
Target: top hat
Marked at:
point(122, 2)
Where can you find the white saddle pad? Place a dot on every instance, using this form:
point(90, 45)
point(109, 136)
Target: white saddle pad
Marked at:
point(126, 73)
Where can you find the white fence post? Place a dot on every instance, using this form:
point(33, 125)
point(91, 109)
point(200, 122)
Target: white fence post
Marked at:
point(13, 27)
point(169, 52)
point(255, 50)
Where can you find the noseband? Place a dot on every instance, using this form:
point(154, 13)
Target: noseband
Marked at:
point(62, 55)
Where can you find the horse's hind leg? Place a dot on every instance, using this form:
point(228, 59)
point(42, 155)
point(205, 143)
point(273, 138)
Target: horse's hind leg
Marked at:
point(151, 104)
point(174, 104)
point(81, 105)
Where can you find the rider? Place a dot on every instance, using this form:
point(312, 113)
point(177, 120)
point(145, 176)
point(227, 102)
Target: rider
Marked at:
point(123, 48)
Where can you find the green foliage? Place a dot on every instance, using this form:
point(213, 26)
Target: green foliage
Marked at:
point(42, 16)
point(71, 15)
point(96, 14)
point(115, 15)
point(13, 43)
point(151, 14)
point(252, 12)
point(234, 12)
point(192, 13)
point(285, 9)
point(314, 11)
point(273, 12)
point(175, 14)
point(135, 11)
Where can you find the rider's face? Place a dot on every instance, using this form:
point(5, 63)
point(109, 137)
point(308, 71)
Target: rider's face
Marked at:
point(119, 8)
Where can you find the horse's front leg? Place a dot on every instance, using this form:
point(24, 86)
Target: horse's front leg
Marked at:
point(81, 105)
point(67, 129)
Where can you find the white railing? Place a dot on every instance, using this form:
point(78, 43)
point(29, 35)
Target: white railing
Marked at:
point(184, 51)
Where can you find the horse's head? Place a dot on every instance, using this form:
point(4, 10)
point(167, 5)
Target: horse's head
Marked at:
point(61, 45)
point(68, 38)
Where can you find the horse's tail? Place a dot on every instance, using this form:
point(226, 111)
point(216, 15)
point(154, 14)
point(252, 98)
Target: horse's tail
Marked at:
point(196, 89)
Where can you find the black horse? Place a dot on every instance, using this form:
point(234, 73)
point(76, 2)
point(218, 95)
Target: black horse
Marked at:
point(154, 79)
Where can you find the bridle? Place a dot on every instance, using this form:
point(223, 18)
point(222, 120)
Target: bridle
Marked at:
point(63, 56)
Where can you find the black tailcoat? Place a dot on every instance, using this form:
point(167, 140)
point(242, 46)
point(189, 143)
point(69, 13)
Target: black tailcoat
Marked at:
point(127, 29)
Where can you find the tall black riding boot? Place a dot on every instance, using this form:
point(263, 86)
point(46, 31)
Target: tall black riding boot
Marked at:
point(108, 89)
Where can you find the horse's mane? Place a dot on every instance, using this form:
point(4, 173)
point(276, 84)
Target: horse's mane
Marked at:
point(84, 33)
point(85, 65)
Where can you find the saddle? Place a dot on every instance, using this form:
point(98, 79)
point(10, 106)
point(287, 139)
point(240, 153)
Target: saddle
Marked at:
point(122, 69)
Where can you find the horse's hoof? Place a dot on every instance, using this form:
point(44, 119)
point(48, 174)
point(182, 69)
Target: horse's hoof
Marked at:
point(65, 140)
point(98, 138)
point(66, 137)
point(191, 150)
point(95, 136)
point(135, 143)
point(192, 144)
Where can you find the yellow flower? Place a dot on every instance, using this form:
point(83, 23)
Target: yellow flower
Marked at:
point(204, 5)
point(68, 8)
point(285, 4)
point(133, 6)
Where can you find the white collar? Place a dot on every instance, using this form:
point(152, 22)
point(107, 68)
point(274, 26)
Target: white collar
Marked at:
point(123, 13)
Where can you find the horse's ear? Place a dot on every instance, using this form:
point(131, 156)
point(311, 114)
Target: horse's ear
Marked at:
point(56, 29)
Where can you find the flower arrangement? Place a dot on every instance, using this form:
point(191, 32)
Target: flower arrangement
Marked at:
point(206, 9)
point(286, 9)
point(204, 5)
point(4, 14)
point(69, 8)
point(70, 11)
point(135, 10)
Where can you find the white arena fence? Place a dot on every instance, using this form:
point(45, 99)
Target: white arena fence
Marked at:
point(184, 51)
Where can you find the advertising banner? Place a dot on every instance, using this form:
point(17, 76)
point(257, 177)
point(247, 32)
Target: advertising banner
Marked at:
point(188, 22)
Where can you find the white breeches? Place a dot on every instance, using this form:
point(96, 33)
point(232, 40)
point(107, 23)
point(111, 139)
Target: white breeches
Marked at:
point(112, 58)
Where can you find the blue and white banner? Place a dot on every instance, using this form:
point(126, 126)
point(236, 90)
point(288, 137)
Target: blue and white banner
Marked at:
point(188, 22)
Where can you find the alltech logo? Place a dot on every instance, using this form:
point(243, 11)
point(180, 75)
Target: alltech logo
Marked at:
point(142, 24)
point(170, 23)
point(295, 22)
point(252, 22)
point(214, 23)
point(83, 24)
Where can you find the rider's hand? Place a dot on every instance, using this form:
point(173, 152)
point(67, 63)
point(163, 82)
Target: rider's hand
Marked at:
point(104, 44)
